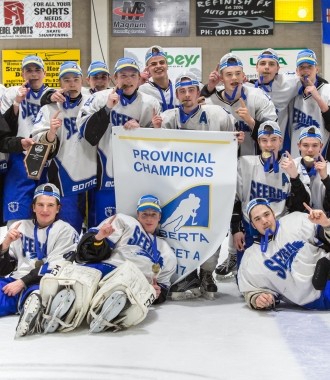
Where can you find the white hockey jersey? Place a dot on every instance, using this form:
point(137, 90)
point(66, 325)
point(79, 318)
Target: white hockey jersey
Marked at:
point(260, 108)
point(131, 242)
point(254, 182)
point(305, 112)
point(317, 188)
point(282, 90)
point(73, 169)
point(141, 109)
point(288, 265)
point(166, 98)
point(207, 117)
point(28, 109)
point(61, 243)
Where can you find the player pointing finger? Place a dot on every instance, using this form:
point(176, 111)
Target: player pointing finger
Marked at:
point(214, 79)
point(321, 167)
point(105, 230)
point(55, 124)
point(22, 92)
point(317, 216)
point(113, 98)
point(58, 96)
point(244, 114)
point(12, 235)
point(156, 120)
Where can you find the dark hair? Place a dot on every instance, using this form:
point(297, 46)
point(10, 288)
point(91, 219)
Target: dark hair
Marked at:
point(232, 60)
point(269, 128)
point(312, 130)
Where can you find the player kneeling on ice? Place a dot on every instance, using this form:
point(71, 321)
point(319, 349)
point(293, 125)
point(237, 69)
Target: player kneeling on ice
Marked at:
point(137, 266)
point(286, 262)
point(30, 249)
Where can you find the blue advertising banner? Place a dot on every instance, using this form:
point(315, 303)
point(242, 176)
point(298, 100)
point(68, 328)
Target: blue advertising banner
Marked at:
point(325, 21)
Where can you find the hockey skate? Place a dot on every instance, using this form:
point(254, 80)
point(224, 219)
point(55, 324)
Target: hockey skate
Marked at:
point(187, 288)
point(56, 309)
point(29, 321)
point(208, 286)
point(227, 269)
point(110, 309)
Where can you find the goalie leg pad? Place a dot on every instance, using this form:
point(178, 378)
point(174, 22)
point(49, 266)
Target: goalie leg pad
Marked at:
point(110, 309)
point(140, 294)
point(29, 321)
point(58, 308)
point(82, 280)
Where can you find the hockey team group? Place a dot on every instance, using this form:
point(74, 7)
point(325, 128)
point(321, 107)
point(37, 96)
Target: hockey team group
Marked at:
point(68, 255)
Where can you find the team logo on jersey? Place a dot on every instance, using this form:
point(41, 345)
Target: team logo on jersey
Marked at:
point(191, 208)
point(13, 206)
point(282, 260)
point(303, 120)
point(109, 211)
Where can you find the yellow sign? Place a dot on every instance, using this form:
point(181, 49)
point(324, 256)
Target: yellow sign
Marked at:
point(12, 64)
point(294, 10)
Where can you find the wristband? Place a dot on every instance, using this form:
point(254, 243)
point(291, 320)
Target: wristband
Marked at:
point(97, 242)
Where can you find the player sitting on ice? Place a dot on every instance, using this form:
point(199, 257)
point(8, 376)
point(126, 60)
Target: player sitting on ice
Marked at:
point(137, 266)
point(30, 249)
point(286, 261)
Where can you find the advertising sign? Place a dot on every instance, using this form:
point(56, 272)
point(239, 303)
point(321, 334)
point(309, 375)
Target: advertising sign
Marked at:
point(287, 60)
point(234, 17)
point(35, 19)
point(12, 64)
point(152, 18)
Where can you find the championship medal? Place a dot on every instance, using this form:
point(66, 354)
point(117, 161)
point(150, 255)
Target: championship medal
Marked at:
point(155, 268)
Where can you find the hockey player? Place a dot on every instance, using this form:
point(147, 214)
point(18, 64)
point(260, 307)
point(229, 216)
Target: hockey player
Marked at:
point(281, 88)
point(98, 77)
point(32, 247)
point(283, 263)
point(249, 106)
point(192, 116)
point(314, 168)
point(18, 188)
point(123, 238)
point(269, 176)
point(123, 105)
point(311, 105)
point(71, 167)
point(155, 76)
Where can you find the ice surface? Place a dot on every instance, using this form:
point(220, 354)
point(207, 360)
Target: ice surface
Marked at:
point(197, 339)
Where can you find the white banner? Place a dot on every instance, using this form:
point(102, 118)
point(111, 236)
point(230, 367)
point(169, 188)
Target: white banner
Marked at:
point(35, 19)
point(179, 60)
point(193, 173)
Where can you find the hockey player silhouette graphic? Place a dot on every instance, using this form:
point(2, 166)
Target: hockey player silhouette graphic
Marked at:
point(186, 209)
